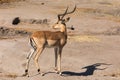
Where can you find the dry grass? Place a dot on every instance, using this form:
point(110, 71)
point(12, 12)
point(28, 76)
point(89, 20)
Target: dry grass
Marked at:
point(89, 10)
point(114, 74)
point(8, 75)
point(8, 33)
point(110, 13)
point(84, 38)
point(111, 31)
point(8, 1)
point(105, 3)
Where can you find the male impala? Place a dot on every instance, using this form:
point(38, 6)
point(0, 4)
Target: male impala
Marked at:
point(41, 39)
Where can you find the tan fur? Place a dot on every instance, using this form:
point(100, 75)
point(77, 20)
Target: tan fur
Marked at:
point(42, 39)
point(48, 38)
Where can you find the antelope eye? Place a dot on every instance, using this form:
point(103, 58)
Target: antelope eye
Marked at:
point(63, 20)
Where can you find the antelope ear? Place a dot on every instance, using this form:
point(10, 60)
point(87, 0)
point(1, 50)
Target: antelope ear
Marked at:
point(67, 19)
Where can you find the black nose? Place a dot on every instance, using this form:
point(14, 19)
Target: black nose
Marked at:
point(72, 28)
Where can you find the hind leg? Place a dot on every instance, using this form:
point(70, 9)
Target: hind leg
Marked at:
point(27, 62)
point(31, 53)
point(38, 53)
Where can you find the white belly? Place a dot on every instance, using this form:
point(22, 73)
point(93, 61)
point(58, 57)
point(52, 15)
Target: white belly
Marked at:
point(52, 43)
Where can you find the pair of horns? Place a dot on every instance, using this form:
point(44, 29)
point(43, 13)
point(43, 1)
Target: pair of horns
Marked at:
point(61, 16)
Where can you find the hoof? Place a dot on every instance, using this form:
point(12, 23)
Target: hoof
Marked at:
point(60, 73)
point(42, 74)
point(26, 74)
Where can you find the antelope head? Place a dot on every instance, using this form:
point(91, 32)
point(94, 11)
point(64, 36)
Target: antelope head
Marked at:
point(61, 23)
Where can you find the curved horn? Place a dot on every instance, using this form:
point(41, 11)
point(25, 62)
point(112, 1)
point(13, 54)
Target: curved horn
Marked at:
point(62, 14)
point(72, 11)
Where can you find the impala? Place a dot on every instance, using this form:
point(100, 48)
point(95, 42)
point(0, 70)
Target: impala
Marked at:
point(56, 39)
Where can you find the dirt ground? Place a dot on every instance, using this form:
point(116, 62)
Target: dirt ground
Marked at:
point(91, 53)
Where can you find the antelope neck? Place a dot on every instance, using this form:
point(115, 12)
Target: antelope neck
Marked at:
point(63, 29)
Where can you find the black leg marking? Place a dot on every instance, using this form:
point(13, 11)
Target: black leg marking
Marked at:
point(26, 73)
point(26, 70)
point(38, 70)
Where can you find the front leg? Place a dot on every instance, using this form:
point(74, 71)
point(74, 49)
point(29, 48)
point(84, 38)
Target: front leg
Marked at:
point(56, 56)
point(59, 61)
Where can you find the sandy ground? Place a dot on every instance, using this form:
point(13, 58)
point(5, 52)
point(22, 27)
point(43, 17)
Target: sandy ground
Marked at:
point(91, 53)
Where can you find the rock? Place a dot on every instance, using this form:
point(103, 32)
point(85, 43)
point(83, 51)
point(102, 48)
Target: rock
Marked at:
point(16, 21)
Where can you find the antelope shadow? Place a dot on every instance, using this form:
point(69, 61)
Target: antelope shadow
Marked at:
point(89, 70)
